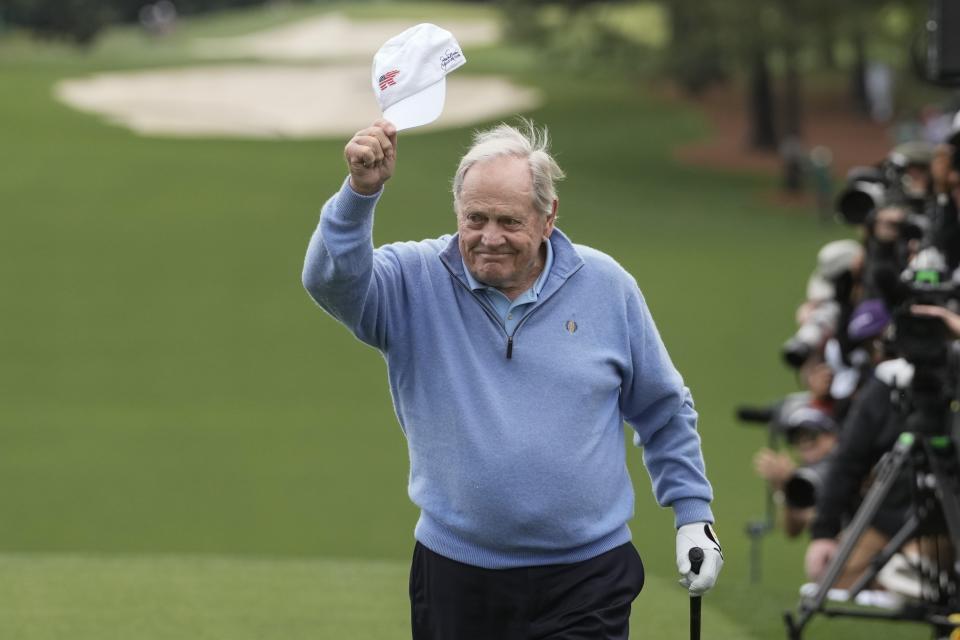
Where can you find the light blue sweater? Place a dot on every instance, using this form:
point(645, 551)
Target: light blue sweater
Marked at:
point(517, 454)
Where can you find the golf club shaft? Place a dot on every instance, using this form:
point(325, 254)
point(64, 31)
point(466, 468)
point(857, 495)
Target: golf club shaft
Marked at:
point(696, 561)
point(695, 618)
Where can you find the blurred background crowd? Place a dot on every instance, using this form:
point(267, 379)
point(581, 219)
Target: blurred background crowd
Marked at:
point(877, 307)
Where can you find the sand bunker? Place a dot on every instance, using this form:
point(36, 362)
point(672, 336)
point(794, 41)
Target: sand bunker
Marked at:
point(269, 101)
point(272, 101)
point(333, 36)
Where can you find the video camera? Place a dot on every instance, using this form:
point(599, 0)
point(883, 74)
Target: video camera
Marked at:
point(897, 180)
point(921, 340)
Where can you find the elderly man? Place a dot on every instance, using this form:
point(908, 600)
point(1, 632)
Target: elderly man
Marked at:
point(514, 357)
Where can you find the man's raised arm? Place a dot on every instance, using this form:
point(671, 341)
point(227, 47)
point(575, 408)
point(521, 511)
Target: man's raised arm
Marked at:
point(338, 271)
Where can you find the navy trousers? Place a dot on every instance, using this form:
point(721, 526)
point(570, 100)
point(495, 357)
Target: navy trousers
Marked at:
point(587, 600)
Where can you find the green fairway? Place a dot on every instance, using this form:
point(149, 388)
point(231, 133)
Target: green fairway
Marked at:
point(202, 597)
point(53, 596)
point(189, 448)
point(156, 598)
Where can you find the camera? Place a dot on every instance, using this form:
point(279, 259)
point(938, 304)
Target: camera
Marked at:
point(801, 489)
point(901, 179)
point(811, 335)
point(866, 191)
point(922, 340)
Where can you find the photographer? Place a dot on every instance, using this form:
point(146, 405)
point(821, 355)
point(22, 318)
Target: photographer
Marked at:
point(890, 242)
point(832, 290)
point(893, 202)
point(810, 434)
point(872, 428)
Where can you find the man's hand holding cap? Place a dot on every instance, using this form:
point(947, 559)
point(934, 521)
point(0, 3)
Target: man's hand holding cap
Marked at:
point(371, 156)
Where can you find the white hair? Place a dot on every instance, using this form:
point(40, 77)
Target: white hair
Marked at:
point(528, 143)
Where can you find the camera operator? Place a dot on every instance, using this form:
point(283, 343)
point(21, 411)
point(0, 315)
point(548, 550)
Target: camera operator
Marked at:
point(810, 434)
point(806, 420)
point(872, 429)
point(892, 201)
point(832, 290)
point(890, 242)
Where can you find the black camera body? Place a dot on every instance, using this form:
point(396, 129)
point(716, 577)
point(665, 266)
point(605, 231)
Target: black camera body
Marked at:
point(923, 340)
point(801, 489)
point(920, 340)
point(871, 188)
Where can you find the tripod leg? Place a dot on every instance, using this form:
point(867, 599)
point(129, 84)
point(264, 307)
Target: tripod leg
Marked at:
point(905, 533)
point(947, 488)
point(943, 465)
point(887, 473)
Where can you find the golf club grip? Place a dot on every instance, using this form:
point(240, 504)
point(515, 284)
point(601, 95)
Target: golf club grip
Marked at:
point(696, 559)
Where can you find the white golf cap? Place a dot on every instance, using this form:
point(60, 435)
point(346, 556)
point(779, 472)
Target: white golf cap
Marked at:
point(832, 260)
point(409, 74)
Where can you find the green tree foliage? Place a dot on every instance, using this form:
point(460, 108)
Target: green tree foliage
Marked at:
point(75, 20)
point(771, 44)
point(80, 21)
point(585, 35)
point(695, 55)
point(127, 10)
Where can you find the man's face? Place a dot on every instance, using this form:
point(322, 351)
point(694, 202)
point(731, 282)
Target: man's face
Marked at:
point(916, 181)
point(887, 225)
point(811, 446)
point(500, 231)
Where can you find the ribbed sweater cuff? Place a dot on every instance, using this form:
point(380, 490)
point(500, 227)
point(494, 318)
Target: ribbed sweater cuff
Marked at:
point(687, 510)
point(351, 205)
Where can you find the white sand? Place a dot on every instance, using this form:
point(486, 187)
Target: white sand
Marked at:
point(267, 101)
point(294, 101)
point(334, 36)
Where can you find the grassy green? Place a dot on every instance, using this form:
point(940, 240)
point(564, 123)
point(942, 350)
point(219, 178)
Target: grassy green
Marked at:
point(189, 448)
point(178, 597)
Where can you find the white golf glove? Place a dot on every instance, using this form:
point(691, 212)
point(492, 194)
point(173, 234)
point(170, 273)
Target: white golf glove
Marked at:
point(689, 536)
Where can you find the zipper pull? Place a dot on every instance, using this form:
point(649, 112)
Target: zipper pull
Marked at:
point(509, 347)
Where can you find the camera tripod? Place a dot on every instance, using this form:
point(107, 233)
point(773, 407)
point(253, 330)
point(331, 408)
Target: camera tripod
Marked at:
point(933, 460)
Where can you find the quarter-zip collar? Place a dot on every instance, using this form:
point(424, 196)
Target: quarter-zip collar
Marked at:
point(566, 262)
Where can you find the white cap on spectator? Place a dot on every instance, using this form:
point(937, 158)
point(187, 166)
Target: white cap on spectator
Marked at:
point(409, 74)
point(833, 259)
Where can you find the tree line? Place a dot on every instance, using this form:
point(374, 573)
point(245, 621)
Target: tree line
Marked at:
point(80, 21)
point(767, 42)
point(770, 44)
